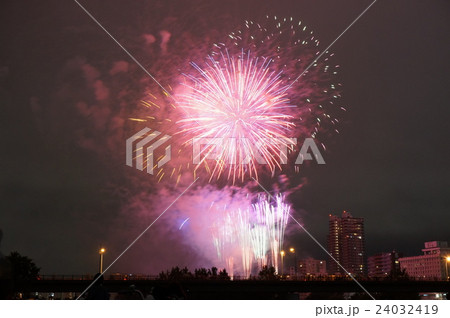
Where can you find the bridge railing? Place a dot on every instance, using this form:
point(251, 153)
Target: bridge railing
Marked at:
point(91, 277)
point(119, 276)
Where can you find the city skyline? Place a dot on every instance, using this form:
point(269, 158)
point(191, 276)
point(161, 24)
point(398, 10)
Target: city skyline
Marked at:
point(331, 266)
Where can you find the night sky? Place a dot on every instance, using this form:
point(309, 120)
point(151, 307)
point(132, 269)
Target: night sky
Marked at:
point(65, 102)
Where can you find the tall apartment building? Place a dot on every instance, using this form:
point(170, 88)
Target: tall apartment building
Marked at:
point(432, 265)
point(346, 244)
point(382, 264)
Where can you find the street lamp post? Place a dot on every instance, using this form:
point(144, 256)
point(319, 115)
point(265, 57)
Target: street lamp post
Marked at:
point(292, 250)
point(282, 262)
point(100, 264)
point(447, 260)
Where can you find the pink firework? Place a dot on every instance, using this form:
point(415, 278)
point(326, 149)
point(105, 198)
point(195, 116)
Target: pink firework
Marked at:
point(251, 234)
point(257, 90)
point(240, 106)
point(312, 83)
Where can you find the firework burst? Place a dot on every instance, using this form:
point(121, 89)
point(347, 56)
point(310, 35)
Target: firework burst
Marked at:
point(313, 88)
point(253, 94)
point(241, 102)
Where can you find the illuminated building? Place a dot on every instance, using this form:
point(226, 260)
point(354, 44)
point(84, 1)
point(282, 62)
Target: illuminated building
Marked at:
point(382, 264)
point(432, 265)
point(346, 244)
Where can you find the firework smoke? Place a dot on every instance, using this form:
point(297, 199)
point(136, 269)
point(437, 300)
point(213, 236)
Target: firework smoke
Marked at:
point(248, 99)
point(199, 66)
point(247, 93)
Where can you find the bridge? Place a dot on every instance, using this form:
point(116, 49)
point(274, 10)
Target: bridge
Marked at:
point(243, 289)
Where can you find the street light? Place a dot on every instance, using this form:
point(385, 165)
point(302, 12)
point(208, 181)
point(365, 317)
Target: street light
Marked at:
point(292, 250)
point(282, 262)
point(102, 251)
point(447, 260)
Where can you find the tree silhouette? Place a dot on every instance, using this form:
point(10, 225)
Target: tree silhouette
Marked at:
point(398, 274)
point(176, 274)
point(268, 273)
point(223, 275)
point(22, 267)
point(199, 273)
